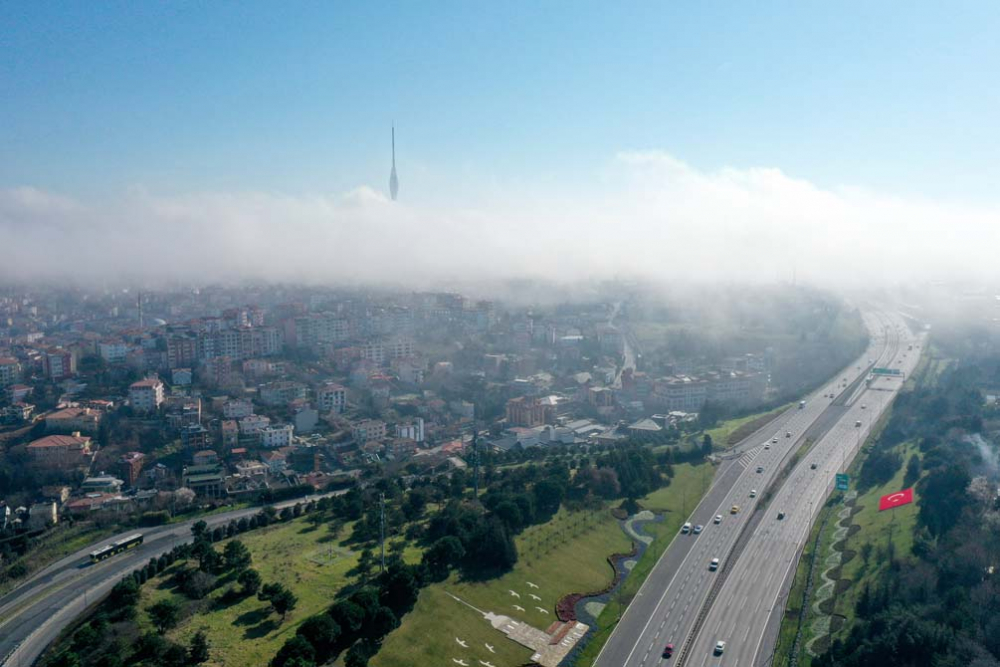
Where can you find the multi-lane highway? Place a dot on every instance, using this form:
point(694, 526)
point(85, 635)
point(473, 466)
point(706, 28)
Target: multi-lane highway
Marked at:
point(747, 610)
point(668, 604)
point(34, 614)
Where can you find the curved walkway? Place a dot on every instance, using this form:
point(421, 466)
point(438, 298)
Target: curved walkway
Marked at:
point(821, 625)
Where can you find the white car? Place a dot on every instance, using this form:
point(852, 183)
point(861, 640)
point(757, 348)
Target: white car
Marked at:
point(718, 518)
point(774, 440)
point(753, 493)
point(686, 528)
point(720, 646)
point(714, 565)
point(767, 445)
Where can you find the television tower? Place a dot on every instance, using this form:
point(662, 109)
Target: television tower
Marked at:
point(393, 181)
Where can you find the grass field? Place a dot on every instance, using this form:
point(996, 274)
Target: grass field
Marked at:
point(568, 554)
point(675, 502)
point(309, 560)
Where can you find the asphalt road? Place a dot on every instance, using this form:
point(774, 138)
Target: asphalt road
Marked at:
point(747, 611)
point(33, 615)
point(667, 605)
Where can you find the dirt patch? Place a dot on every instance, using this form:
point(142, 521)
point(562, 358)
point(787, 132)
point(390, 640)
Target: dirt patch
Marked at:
point(856, 508)
point(843, 585)
point(853, 530)
point(847, 555)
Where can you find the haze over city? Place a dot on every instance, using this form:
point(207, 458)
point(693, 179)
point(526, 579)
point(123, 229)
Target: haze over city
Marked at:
point(561, 334)
point(839, 144)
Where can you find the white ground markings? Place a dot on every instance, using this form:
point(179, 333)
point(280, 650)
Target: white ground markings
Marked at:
point(531, 584)
point(518, 607)
point(463, 663)
point(542, 609)
point(489, 648)
point(486, 664)
point(461, 643)
point(749, 456)
point(534, 597)
point(514, 594)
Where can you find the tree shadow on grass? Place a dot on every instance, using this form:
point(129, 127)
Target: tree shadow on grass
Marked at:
point(254, 616)
point(262, 629)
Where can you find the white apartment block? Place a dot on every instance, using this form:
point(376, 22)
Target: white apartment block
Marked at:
point(332, 397)
point(10, 371)
point(279, 435)
point(146, 395)
point(413, 431)
point(113, 353)
point(368, 429)
point(237, 409)
point(253, 424)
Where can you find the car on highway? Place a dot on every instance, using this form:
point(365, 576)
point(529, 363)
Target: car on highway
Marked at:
point(760, 468)
point(720, 647)
point(698, 529)
point(788, 434)
point(767, 445)
point(713, 564)
point(863, 406)
point(718, 518)
point(734, 509)
point(857, 424)
point(774, 440)
point(781, 515)
point(812, 466)
point(753, 493)
point(668, 650)
point(686, 528)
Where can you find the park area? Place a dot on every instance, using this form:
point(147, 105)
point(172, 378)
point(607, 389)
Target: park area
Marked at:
point(565, 555)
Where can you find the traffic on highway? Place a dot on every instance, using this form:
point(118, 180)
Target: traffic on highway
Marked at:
point(674, 606)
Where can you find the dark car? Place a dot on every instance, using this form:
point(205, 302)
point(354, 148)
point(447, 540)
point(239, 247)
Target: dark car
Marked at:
point(668, 650)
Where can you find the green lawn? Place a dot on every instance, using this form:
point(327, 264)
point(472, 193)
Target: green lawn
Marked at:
point(568, 554)
point(310, 561)
point(677, 500)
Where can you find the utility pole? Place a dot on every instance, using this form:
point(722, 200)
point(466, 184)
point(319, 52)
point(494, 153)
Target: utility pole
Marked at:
point(381, 499)
point(475, 465)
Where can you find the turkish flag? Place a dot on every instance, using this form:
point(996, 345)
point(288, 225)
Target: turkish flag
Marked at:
point(891, 500)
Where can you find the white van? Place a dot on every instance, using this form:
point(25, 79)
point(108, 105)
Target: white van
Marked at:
point(686, 528)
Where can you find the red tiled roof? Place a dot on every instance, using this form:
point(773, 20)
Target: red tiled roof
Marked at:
point(59, 441)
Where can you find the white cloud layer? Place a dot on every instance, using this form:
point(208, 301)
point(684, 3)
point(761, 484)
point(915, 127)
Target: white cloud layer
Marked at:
point(661, 219)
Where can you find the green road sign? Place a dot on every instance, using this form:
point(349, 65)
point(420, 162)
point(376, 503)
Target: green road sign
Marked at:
point(886, 371)
point(842, 481)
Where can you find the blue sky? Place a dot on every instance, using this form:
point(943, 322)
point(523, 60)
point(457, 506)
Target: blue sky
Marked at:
point(95, 98)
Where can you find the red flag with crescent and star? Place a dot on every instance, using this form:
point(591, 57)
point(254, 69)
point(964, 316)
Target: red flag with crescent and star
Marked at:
point(887, 502)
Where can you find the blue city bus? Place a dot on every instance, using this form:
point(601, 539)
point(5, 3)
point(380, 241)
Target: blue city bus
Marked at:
point(124, 544)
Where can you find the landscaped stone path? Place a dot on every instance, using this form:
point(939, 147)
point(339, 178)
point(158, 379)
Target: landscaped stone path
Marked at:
point(821, 625)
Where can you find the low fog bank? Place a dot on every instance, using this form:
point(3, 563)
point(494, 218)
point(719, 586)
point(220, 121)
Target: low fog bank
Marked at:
point(657, 218)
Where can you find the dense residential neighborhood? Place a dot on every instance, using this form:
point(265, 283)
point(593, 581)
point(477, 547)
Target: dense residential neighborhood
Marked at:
point(126, 403)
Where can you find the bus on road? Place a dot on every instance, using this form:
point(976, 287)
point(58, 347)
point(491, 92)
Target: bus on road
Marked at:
point(124, 544)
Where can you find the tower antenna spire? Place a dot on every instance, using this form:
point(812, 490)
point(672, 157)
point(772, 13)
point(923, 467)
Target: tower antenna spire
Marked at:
point(393, 181)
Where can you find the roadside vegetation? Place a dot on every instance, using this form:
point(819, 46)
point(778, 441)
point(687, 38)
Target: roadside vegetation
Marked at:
point(916, 585)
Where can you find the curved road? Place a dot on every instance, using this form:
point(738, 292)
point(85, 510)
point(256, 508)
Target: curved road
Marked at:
point(33, 615)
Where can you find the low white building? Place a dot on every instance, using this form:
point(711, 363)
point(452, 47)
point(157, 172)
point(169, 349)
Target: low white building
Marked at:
point(279, 435)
